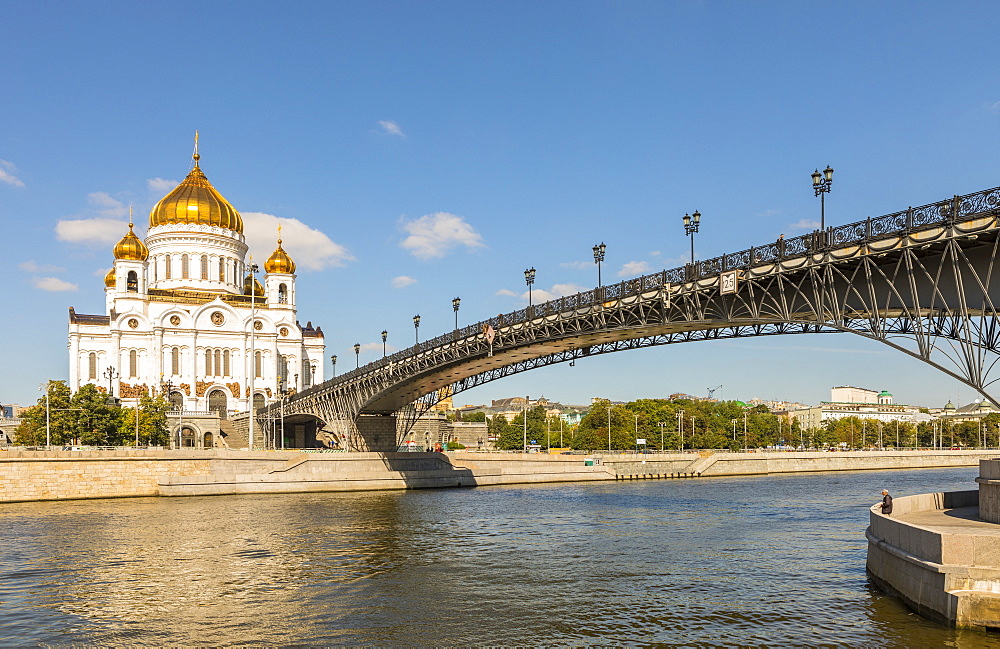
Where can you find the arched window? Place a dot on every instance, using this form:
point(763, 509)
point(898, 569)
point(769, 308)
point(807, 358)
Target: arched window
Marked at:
point(257, 358)
point(92, 366)
point(283, 372)
point(222, 269)
point(133, 363)
point(307, 370)
point(218, 362)
point(166, 267)
point(175, 361)
point(204, 266)
point(184, 266)
point(282, 294)
point(208, 363)
point(155, 274)
point(258, 401)
point(225, 363)
point(132, 282)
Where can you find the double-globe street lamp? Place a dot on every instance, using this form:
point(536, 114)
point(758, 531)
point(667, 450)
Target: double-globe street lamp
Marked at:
point(416, 328)
point(385, 335)
point(529, 279)
point(691, 223)
point(821, 187)
point(455, 303)
point(357, 355)
point(333, 360)
point(598, 258)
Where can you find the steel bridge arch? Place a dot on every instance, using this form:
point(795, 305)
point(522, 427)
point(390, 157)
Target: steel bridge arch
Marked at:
point(921, 281)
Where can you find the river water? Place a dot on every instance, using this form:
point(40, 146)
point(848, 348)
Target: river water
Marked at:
point(763, 560)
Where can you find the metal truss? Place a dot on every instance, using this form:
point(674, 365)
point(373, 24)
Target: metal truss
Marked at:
point(921, 281)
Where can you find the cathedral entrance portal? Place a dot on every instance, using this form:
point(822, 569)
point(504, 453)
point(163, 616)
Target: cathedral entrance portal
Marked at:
point(258, 401)
point(176, 400)
point(217, 403)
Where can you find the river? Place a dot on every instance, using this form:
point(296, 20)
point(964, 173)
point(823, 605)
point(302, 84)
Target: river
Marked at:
point(761, 560)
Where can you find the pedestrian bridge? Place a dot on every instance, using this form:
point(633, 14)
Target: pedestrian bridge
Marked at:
point(920, 280)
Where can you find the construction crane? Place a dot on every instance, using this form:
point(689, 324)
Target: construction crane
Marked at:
point(711, 391)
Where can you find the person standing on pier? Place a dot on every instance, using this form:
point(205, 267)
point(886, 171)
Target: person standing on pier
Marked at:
point(886, 502)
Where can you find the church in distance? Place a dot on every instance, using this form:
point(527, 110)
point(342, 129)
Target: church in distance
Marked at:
point(185, 314)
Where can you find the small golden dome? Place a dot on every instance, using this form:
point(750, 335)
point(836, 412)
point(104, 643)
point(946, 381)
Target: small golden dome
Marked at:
point(257, 288)
point(196, 201)
point(131, 247)
point(109, 279)
point(279, 261)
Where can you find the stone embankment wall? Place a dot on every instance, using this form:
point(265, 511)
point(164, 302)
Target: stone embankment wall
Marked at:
point(729, 464)
point(948, 572)
point(59, 475)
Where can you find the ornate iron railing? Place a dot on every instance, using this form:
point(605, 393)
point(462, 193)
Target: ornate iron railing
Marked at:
point(913, 219)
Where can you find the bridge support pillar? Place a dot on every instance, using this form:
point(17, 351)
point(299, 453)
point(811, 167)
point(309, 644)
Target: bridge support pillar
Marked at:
point(376, 433)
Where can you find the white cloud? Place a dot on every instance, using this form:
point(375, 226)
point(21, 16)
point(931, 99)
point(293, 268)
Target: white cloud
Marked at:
point(433, 235)
point(6, 176)
point(402, 281)
point(993, 107)
point(107, 205)
point(540, 295)
point(31, 267)
point(372, 347)
point(309, 248)
point(804, 225)
point(634, 269)
point(577, 265)
point(390, 127)
point(161, 186)
point(53, 284)
point(655, 253)
point(101, 272)
point(91, 231)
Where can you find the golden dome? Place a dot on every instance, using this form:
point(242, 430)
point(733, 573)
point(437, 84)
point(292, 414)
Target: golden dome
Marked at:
point(279, 262)
point(131, 247)
point(109, 279)
point(196, 201)
point(258, 289)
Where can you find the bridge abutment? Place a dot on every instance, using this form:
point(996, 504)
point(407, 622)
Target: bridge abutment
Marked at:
point(375, 433)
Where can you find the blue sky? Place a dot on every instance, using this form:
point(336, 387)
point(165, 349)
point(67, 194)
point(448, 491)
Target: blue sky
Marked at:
point(420, 151)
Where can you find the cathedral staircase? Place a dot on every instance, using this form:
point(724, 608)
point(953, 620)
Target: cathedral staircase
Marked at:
point(231, 436)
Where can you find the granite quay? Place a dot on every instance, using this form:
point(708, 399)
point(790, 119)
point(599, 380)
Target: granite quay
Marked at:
point(29, 475)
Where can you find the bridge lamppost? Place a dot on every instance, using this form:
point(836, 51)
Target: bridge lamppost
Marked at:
point(333, 359)
point(529, 279)
point(416, 328)
point(821, 187)
point(454, 305)
point(661, 425)
point(598, 258)
point(357, 355)
point(691, 224)
point(680, 427)
point(385, 335)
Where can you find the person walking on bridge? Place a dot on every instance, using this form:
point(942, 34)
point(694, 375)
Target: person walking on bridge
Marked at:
point(886, 503)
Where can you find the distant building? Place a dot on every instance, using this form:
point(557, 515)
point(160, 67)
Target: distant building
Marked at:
point(848, 401)
point(974, 411)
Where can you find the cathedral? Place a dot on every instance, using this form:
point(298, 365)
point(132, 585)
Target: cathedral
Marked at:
point(186, 316)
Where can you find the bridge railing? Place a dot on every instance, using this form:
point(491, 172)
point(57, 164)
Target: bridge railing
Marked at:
point(953, 210)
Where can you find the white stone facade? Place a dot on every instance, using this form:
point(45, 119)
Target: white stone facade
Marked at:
point(179, 319)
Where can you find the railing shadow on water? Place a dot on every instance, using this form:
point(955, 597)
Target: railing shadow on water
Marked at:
point(912, 219)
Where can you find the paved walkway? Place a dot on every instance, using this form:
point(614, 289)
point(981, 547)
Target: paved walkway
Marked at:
point(961, 520)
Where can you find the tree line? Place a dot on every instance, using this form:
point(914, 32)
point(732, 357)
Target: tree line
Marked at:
point(88, 417)
point(671, 425)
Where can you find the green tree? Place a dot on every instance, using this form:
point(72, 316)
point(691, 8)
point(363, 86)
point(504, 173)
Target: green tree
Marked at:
point(507, 438)
point(153, 430)
point(97, 421)
point(61, 422)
